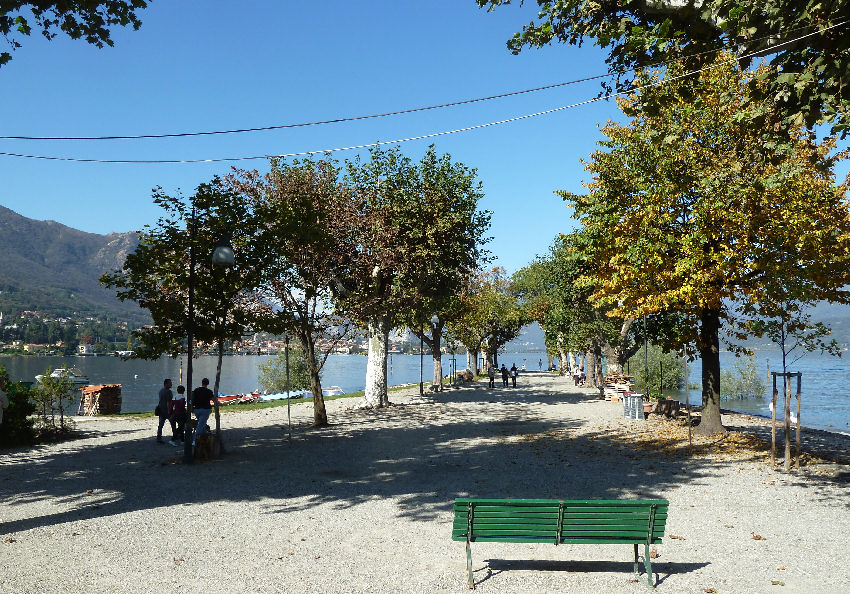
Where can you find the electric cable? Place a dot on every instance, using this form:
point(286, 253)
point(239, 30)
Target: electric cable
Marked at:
point(370, 116)
point(411, 138)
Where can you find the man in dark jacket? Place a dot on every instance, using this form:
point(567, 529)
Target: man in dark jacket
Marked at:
point(202, 404)
point(165, 397)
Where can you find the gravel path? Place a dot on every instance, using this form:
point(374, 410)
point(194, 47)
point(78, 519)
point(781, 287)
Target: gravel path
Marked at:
point(365, 506)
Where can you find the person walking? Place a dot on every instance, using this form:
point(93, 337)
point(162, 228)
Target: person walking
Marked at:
point(513, 374)
point(4, 400)
point(165, 398)
point(177, 415)
point(504, 371)
point(491, 373)
point(540, 365)
point(202, 405)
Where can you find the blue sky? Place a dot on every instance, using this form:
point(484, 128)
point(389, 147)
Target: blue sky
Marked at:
point(210, 65)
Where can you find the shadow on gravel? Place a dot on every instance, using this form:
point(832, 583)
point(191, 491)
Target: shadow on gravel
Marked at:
point(496, 566)
point(465, 442)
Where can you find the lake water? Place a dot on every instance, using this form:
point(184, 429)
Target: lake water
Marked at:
point(141, 380)
point(825, 401)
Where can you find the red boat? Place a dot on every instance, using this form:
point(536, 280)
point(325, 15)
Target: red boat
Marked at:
point(237, 399)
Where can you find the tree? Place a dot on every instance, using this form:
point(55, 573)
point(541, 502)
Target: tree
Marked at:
point(809, 74)
point(81, 19)
point(52, 394)
point(17, 425)
point(273, 376)
point(549, 289)
point(156, 275)
point(309, 225)
point(690, 211)
point(489, 317)
point(455, 236)
point(420, 237)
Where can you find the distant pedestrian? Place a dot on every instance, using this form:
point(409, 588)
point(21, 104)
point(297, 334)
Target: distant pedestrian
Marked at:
point(491, 372)
point(513, 374)
point(504, 371)
point(177, 415)
point(165, 398)
point(540, 365)
point(4, 400)
point(202, 404)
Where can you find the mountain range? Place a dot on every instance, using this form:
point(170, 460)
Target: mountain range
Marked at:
point(51, 268)
point(54, 269)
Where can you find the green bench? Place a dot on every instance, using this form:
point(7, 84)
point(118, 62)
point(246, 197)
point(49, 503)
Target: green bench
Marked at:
point(561, 521)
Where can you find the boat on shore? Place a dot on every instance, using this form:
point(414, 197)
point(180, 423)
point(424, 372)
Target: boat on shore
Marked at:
point(305, 394)
point(238, 399)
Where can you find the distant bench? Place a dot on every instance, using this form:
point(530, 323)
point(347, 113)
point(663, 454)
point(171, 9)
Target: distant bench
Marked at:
point(561, 521)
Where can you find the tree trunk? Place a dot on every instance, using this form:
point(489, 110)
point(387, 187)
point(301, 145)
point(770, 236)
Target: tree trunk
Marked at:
point(709, 350)
point(572, 360)
point(320, 413)
point(376, 366)
point(590, 367)
point(438, 369)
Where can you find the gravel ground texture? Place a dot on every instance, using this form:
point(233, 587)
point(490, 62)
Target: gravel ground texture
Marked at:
point(366, 504)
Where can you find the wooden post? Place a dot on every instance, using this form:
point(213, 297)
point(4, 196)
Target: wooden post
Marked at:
point(799, 422)
point(773, 425)
point(786, 383)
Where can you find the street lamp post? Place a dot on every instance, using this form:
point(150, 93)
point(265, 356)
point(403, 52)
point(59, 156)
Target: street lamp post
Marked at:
point(222, 256)
point(421, 390)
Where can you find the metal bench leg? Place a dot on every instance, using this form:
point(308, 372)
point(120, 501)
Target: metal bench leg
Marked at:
point(648, 580)
point(471, 582)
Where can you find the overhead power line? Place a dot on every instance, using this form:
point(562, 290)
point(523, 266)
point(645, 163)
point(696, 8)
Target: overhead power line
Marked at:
point(419, 137)
point(368, 116)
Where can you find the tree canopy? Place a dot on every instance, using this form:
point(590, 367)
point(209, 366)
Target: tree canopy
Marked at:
point(82, 19)
point(690, 210)
point(807, 42)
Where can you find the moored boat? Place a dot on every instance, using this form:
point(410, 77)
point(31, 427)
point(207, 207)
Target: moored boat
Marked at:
point(75, 375)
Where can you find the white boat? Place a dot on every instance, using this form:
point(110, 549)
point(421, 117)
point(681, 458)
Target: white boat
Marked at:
point(74, 374)
point(306, 394)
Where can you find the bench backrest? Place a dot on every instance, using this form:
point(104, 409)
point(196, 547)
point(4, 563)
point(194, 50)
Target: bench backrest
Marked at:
point(560, 520)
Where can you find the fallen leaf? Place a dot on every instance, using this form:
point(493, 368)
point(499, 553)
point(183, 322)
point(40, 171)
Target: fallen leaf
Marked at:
point(709, 590)
point(781, 568)
point(776, 583)
point(653, 554)
point(89, 490)
point(758, 537)
point(10, 540)
point(674, 537)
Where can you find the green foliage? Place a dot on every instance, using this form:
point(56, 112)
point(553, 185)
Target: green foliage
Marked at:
point(489, 314)
point(272, 373)
point(156, 274)
point(808, 76)
point(744, 383)
point(666, 366)
point(689, 213)
point(17, 426)
point(52, 396)
point(81, 19)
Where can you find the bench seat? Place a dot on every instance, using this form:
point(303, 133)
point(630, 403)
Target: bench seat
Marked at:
point(561, 521)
